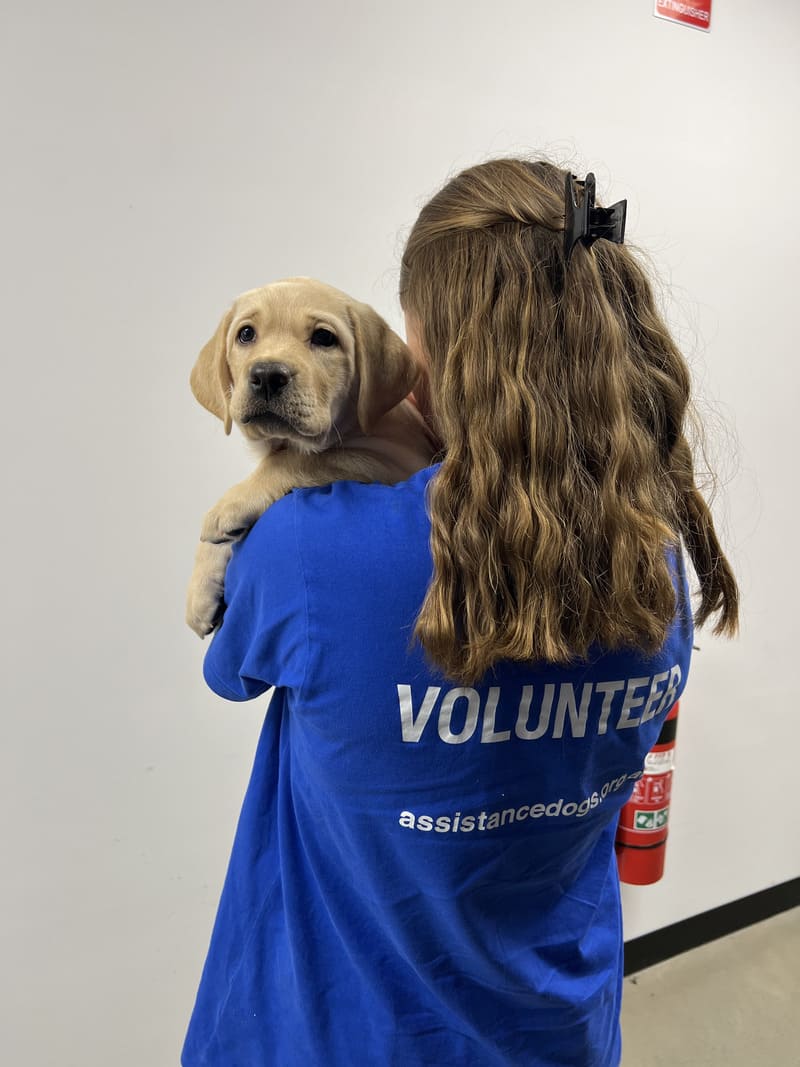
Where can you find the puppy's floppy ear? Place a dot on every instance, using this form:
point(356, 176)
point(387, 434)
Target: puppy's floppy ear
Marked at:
point(385, 367)
point(211, 377)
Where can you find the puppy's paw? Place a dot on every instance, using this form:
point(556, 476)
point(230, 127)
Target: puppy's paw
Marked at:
point(228, 521)
point(203, 607)
point(204, 598)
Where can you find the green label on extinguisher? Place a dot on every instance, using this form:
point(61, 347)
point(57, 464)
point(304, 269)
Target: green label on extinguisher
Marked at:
point(650, 820)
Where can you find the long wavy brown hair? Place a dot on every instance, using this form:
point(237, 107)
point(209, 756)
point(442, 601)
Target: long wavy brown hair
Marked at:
point(561, 399)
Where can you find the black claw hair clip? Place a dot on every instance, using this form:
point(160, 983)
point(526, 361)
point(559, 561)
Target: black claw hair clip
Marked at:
point(588, 223)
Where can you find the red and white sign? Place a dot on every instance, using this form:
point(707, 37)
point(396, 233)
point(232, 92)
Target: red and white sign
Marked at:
point(695, 13)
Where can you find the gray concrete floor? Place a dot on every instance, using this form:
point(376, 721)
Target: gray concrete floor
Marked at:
point(732, 1003)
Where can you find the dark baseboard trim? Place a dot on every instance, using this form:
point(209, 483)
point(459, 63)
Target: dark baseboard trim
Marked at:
point(690, 933)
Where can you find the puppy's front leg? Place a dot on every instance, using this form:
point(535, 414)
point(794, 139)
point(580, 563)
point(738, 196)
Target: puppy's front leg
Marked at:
point(276, 475)
point(236, 511)
point(228, 521)
point(206, 586)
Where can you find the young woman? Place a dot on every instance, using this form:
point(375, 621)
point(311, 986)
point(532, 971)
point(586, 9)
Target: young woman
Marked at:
point(470, 667)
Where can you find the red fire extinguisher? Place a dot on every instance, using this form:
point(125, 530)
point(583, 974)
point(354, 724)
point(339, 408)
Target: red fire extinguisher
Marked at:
point(641, 842)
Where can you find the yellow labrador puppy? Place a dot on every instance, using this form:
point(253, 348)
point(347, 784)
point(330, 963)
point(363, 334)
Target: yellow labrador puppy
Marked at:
point(319, 383)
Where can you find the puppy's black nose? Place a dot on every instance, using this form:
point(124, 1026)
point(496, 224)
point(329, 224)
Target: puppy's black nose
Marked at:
point(268, 379)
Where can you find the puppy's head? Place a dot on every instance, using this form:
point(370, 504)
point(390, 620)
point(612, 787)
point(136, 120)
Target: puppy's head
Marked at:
point(301, 363)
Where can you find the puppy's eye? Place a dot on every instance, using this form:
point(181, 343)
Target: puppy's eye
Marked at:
point(246, 335)
point(324, 338)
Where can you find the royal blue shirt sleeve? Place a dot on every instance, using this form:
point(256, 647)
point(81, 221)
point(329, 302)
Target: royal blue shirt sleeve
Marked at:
point(263, 639)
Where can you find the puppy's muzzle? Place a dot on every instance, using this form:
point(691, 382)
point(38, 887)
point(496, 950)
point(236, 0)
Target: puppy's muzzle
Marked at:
point(268, 380)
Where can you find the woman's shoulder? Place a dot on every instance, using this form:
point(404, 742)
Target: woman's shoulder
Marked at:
point(349, 509)
point(324, 518)
point(348, 495)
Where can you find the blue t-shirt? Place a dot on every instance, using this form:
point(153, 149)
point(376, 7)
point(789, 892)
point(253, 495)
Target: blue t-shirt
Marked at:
point(423, 873)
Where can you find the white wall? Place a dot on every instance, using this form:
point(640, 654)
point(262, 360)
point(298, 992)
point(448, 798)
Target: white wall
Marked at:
point(158, 158)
